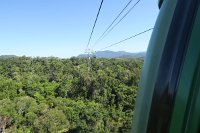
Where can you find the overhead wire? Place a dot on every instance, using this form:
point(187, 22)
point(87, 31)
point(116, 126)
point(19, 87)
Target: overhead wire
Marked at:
point(94, 24)
point(108, 31)
point(113, 21)
point(126, 39)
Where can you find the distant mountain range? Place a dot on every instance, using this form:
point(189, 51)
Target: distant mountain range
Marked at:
point(102, 54)
point(119, 54)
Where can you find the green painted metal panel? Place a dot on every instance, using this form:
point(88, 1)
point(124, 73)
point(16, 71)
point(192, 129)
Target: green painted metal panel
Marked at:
point(193, 117)
point(151, 65)
point(186, 114)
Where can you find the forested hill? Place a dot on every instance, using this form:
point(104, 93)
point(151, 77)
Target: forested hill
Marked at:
point(51, 95)
point(113, 54)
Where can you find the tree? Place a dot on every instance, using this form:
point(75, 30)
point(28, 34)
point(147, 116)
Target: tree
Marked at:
point(7, 113)
point(53, 121)
point(59, 95)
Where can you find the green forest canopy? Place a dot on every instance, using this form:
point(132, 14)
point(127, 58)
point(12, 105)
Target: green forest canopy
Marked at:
point(50, 95)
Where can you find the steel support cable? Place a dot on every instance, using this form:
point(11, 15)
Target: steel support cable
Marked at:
point(94, 24)
point(113, 22)
point(126, 39)
point(108, 31)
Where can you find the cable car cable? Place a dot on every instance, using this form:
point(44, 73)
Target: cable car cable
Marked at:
point(118, 22)
point(126, 39)
point(94, 24)
point(113, 22)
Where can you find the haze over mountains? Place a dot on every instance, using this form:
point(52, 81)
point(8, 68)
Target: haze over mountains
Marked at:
point(118, 54)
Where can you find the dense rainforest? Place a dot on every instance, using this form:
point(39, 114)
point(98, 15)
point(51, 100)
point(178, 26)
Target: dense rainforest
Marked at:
point(53, 95)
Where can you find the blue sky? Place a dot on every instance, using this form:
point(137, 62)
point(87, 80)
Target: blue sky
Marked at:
point(61, 28)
